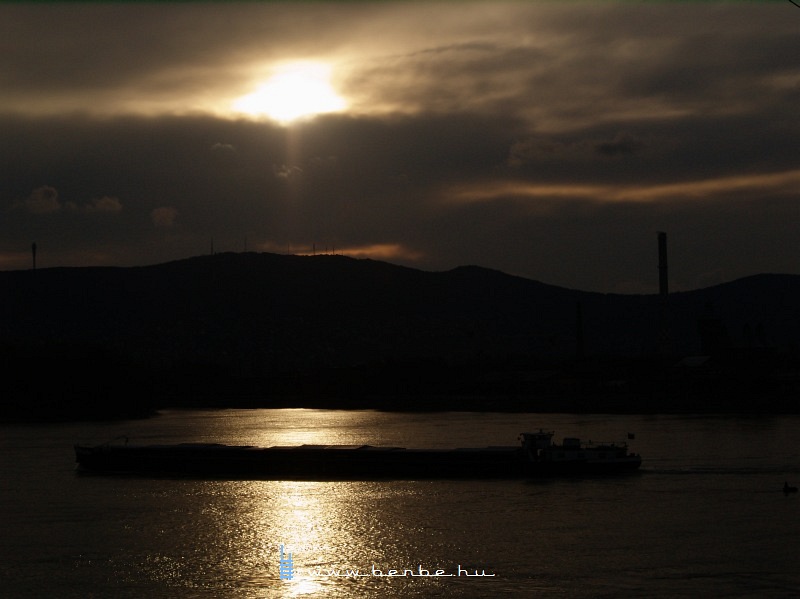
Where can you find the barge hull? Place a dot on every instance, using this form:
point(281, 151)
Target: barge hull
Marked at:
point(330, 462)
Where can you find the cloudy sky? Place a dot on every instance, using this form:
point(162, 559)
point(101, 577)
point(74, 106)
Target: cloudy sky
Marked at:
point(550, 140)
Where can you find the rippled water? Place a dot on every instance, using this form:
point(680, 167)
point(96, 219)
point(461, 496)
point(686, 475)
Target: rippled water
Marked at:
point(706, 517)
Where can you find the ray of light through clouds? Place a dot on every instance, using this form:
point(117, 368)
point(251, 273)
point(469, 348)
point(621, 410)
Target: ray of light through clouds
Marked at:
point(545, 139)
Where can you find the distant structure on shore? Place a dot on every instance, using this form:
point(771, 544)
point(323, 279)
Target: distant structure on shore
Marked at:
point(663, 280)
point(33, 252)
point(663, 291)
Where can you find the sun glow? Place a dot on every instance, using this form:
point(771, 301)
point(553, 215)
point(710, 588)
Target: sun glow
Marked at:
point(295, 91)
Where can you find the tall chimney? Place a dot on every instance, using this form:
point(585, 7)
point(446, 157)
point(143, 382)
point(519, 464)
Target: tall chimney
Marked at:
point(663, 286)
point(663, 290)
point(33, 253)
point(580, 349)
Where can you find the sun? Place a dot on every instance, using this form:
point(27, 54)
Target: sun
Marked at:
point(295, 91)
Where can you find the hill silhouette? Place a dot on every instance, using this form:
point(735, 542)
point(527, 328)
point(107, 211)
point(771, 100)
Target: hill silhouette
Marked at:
point(267, 329)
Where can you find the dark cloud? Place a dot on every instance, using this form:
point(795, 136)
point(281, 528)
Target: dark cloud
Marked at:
point(164, 216)
point(222, 147)
point(361, 183)
point(623, 143)
point(160, 46)
point(349, 178)
point(547, 139)
point(43, 200)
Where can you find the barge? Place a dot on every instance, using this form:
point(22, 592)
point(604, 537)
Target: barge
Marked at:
point(536, 455)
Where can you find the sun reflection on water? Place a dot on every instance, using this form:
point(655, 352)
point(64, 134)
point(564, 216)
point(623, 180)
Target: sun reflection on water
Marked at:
point(302, 517)
point(228, 537)
point(325, 526)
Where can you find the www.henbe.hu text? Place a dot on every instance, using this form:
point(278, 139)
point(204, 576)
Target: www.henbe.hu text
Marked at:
point(374, 571)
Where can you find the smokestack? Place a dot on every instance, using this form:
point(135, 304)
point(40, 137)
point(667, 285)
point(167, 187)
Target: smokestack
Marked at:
point(580, 350)
point(663, 286)
point(663, 289)
point(33, 253)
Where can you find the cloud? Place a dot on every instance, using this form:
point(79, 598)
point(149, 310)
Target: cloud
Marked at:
point(546, 139)
point(708, 190)
point(164, 216)
point(623, 143)
point(222, 147)
point(43, 200)
point(560, 65)
point(105, 204)
point(286, 172)
point(545, 148)
point(433, 191)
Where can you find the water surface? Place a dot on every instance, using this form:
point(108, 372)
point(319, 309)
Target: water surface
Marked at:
point(706, 516)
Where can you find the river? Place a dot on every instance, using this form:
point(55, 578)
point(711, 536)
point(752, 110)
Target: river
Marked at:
point(705, 517)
